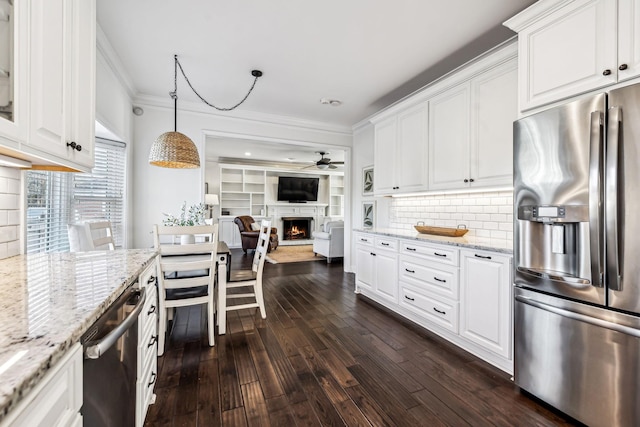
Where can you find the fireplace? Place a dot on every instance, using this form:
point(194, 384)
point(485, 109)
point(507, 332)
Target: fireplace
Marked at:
point(296, 228)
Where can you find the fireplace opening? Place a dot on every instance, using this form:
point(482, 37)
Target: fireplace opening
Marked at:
point(296, 228)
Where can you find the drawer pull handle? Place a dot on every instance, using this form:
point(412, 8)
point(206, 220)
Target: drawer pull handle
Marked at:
point(153, 379)
point(151, 280)
point(152, 341)
point(372, 254)
point(439, 280)
point(411, 249)
point(384, 244)
point(409, 271)
point(439, 254)
point(151, 310)
point(439, 311)
point(364, 240)
point(482, 256)
point(409, 298)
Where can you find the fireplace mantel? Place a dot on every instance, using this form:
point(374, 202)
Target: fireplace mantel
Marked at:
point(276, 211)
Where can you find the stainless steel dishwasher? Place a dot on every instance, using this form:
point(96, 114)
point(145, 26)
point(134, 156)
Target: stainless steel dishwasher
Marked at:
point(110, 363)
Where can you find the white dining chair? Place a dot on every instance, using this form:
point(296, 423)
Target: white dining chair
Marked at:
point(187, 274)
point(91, 236)
point(249, 281)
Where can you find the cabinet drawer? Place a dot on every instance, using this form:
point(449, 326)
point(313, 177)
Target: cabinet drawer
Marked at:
point(147, 344)
point(434, 277)
point(144, 388)
point(150, 311)
point(439, 311)
point(386, 243)
point(364, 239)
point(442, 254)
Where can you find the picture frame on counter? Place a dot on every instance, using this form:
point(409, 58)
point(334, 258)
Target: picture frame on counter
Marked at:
point(368, 214)
point(367, 181)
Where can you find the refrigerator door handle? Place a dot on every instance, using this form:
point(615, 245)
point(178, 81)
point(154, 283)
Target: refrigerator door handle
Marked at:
point(595, 197)
point(580, 317)
point(611, 198)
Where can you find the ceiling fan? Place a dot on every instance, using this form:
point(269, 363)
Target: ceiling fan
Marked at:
point(325, 162)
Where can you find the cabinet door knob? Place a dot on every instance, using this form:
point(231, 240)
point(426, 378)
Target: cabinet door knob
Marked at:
point(471, 179)
point(74, 146)
point(466, 180)
point(622, 67)
point(606, 72)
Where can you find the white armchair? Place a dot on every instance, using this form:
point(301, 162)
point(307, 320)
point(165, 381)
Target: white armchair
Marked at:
point(330, 241)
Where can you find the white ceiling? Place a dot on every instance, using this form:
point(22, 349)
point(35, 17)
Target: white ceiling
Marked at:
point(366, 53)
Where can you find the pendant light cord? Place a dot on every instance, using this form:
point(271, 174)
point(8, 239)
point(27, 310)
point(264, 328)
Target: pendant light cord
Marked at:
point(255, 73)
point(174, 94)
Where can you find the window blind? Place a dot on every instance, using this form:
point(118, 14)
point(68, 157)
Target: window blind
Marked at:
point(55, 199)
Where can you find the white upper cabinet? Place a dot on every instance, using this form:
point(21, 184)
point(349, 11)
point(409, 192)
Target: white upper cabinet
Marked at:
point(62, 75)
point(400, 152)
point(471, 131)
point(571, 47)
point(494, 108)
point(449, 138)
point(13, 72)
point(455, 134)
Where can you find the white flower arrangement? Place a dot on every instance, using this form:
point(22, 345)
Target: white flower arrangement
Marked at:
point(192, 216)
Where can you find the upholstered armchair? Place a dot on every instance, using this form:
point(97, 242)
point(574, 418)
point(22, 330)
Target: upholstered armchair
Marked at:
point(249, 235)
point(330, 241)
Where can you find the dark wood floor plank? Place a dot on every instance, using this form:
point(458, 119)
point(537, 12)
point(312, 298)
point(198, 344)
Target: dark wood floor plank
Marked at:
point(264, 367)
point(234, 417)
point(323, 375)
point(230, 394)
point(321, 404)
point(209, 413)
point(327, 356)
point(255, 406)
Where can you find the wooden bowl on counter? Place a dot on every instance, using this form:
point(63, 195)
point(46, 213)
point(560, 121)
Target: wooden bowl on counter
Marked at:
point(441, 231)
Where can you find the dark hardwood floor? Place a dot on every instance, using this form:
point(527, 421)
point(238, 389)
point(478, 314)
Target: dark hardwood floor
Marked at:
point(323, 357)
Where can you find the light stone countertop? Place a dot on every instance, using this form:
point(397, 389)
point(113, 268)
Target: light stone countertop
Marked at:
point(503, 246)
point(47, 302)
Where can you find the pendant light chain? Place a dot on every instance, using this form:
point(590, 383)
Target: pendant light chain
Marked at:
point(255, 73)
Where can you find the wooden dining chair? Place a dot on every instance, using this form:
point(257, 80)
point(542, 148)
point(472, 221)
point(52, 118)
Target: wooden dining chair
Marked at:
point(91, 236)
point(249, 283)
point(187, 274)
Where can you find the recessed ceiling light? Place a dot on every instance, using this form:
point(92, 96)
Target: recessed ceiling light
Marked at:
point(332, 102)
point(247, 153)
point(291, 159)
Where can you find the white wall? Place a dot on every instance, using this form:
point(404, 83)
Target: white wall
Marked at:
point(157, 190)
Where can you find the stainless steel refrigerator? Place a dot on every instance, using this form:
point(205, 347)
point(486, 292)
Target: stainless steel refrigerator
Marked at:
point(577, 257)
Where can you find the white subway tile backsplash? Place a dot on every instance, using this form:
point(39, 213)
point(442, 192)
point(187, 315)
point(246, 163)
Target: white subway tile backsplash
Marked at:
point(10, 214)
point(487, 214)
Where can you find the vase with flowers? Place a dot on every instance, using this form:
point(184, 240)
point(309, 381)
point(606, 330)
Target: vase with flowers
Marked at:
point(193, 215)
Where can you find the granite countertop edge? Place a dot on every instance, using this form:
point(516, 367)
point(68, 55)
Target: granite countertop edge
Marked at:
point(30, 378)
point(503, 246)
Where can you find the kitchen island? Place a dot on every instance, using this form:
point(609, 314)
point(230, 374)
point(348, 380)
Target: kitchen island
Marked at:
point(47, 302)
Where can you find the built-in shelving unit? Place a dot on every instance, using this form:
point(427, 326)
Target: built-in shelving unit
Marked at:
point(336, 195)
point(242, 191)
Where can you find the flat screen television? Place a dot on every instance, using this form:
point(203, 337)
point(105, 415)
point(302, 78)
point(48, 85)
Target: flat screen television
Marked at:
point(297, 190)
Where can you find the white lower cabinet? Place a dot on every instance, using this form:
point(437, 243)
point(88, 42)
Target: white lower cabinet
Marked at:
point(377, 267)
point(147, 344)
point(229, 232)
point(486, 296)
point(56, 400)
point(462, 295)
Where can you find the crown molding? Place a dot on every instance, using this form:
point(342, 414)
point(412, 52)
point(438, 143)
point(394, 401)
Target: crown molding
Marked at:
point(534, 13)
point(113, 61)
point(245, 115)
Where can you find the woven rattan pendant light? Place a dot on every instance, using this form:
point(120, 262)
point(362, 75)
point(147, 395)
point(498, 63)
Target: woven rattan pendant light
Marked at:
point(174, 149)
